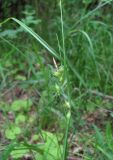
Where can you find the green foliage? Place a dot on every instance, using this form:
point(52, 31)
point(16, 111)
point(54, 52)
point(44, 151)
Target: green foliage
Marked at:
point(12, 131)
point(52, 148)
point(20, 119)
point(104, 143)
point(87, 1)
point(59, 91)
point(7, 151)
point(29, 19)
point(18, 105)
point(19, 152)
point(30, 16)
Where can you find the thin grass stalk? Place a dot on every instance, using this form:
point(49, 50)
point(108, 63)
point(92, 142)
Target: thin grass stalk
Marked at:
point(66, 77)
point(101, 4)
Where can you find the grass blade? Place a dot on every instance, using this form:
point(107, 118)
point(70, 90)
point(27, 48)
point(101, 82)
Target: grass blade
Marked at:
point(38, 38)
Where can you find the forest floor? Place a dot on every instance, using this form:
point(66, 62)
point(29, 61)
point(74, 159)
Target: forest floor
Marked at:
point(18, 118)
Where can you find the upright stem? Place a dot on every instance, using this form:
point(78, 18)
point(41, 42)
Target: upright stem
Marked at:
point(68, 116)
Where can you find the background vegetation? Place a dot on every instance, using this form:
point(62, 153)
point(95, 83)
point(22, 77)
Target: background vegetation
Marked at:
point(56, 80)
